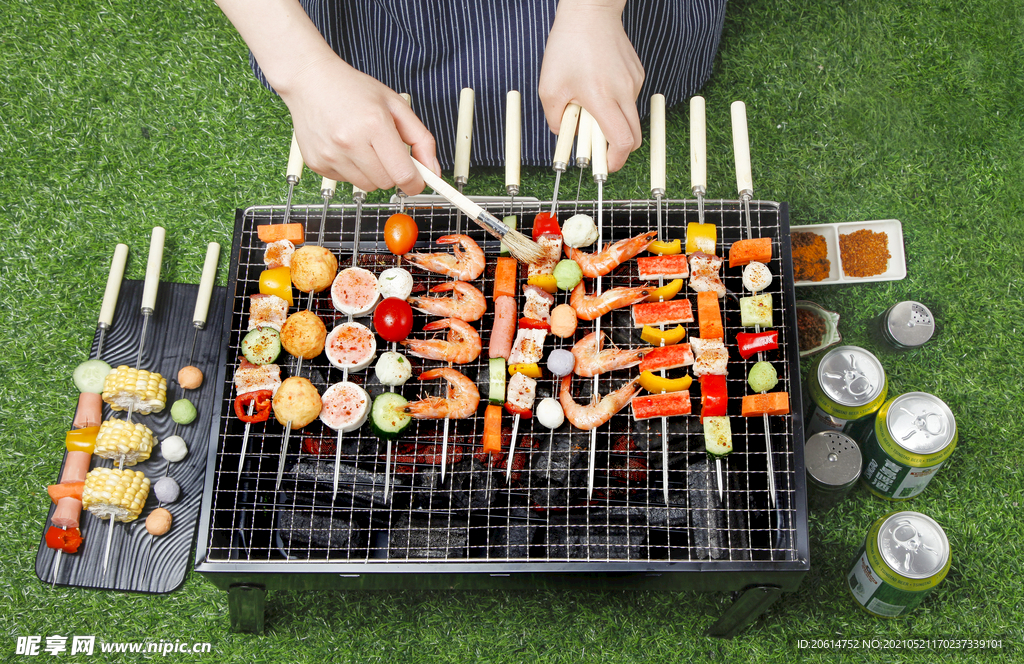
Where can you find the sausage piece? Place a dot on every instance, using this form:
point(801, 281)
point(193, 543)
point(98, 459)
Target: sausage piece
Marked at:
point(67, 512)
point(504, 331)
point(89, 412)
point(76, 467)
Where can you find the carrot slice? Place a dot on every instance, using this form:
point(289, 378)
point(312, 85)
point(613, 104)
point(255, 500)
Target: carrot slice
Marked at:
point(492, 429)
point(505, 273)
point(772, 403)
point(709, 315)
point(757, 249)
point(273, 232)
point(69, 490)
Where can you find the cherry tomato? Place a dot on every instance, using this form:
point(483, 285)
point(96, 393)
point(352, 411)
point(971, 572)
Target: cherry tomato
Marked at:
point(393, 319)
point(400, 232)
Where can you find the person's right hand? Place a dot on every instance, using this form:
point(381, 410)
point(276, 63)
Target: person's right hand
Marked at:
point(352, 128)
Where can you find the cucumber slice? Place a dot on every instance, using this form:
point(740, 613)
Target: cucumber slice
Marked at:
point(509, 221)
point(717, 436)
point(90, 375)
point(388, 418)
point(496, 391)
point(756, 310)
point(262, 345)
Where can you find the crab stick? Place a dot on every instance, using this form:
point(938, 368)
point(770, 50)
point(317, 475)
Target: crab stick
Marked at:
point(658, 313)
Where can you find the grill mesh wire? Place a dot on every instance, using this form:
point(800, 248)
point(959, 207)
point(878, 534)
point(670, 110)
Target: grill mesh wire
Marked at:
point(543, 514)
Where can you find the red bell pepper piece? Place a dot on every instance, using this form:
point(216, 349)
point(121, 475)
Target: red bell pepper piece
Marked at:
point(751, 343)
point(67, 541)
point(261, 401)
point(516, 410)
point(533, 324)
point(545, 223)
point(714, 396)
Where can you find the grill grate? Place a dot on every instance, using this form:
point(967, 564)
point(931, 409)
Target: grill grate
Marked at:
point(543, 514)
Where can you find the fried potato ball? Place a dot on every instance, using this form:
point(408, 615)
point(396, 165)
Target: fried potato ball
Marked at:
point(296, 401)
point(303, 335)
point(313, 268)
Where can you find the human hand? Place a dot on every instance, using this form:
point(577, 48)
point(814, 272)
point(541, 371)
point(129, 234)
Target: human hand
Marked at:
point(352, 128)
point(590, 60)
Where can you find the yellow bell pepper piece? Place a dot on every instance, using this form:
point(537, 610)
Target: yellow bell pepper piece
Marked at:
point(701, 237)
point(666, 292)
point(544, 281)
point(665, 248)
point(277, 281)
point(81, 440)
point(530, 370)
point(656, 384)
point(656, 337)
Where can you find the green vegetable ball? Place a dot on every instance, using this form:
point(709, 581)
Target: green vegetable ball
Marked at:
point(183, 412)
point(567, 274)
point(762, 377)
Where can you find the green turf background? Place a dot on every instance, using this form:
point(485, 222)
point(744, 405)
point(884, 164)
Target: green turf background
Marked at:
point(116, 116)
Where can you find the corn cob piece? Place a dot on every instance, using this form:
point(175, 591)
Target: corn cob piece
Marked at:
point(118, 438)
point(125, 386)
point(115, 492)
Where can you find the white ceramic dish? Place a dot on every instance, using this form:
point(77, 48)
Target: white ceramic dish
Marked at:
point(895, 270)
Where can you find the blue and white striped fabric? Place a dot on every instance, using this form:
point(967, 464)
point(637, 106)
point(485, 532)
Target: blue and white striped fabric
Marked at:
point(434, 48)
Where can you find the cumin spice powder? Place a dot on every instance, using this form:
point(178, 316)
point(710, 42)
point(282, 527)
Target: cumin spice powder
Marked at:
point(810, 257)
point(865, 253)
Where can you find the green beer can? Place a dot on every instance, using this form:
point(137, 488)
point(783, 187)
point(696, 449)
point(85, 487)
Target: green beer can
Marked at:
point(846, 385)
point(904, 557)
point(914, 434)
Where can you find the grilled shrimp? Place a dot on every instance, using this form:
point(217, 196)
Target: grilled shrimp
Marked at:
point(589, 307)
point(465, 265)
point(463, 397)
point(467, 302)
point(591, 360)
point(597, 412)
point(613, 255)
point(462, 346)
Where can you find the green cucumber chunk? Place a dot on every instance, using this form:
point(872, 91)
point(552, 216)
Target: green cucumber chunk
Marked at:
point(509, 221)
point(90, 375)
point(262, 345)
point(496, 391)
point(388, 418)
point(718, 436)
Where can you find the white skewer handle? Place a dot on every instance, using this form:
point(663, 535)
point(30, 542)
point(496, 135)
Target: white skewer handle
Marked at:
point(295, 163)
point(566, 133)
point(599, 160)
point(206, 284)
point(741, 149)
point(113, 288)
point(584, 139)
point(328, 187)
point(408, 102)
point(658, 145)
point(464, 135)
point(513, 139)
point(471, 209)
point(698, 145)
point(156, 258)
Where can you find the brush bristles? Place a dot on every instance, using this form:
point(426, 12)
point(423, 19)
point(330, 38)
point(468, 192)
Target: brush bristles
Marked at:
point(522, 248)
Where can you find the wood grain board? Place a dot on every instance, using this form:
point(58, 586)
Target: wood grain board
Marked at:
point(139, 561)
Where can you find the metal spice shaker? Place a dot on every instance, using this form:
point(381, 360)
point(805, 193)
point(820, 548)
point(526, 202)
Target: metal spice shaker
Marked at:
point(905, 325)
point(833, 462)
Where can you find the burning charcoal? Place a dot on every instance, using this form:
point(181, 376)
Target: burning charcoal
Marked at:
point(304, 528)
point(613, 542)
point(433, 537)
point(484, 485)
point(365, 487)
point(673, 516)
point(707, 516)
point(513, 541)
point(552, 464)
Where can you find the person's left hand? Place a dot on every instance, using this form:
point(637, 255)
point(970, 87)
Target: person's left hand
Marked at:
point(589, 60)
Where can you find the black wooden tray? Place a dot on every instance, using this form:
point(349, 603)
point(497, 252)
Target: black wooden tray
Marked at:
point(139, 561)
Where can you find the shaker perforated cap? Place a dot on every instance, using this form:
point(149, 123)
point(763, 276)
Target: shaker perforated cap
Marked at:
point(832, 458)
point(910, 324)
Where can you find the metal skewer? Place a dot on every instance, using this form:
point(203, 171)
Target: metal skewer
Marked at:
point(745, 186)
point(583, 149)
point(599, 167)
point(566, 133)
point(149, 288)
point(513, 152)
point(103, 323)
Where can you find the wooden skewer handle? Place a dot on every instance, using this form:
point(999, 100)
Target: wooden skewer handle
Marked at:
point(599, 148)
point(658, 145)
point(328, 187)
point(566, 132)
point(295, 163)
point(741, 149)
point(464, 135)
point(698, 145)
point(113, 288)
point(513, 139)
point(471, 209)
point(153, 264)
point(206, 285)
point(585, 138)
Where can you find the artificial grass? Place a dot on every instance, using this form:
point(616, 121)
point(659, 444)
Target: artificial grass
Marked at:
point(115, 117)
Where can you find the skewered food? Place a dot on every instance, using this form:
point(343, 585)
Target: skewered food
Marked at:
point(662, 313)
point(174, 448)
point(592, 415)
point(699, 344)
point(550, 414)
point(704, 273)
point(563, 321)
point(757, 249)
point(463, 398)
point(671, 404)
point(666, 292)
point(531, 369)
point(709, 315)
point(388, 418)
point(567, 274)
point(345, 406)
point(462, 346)
point(756, 277)
point(662, 267)
point(393, 319)
point(158, 522)
point(65, 490)
point(117, 439)
point(294, 232)
point(89, 376)
point(772, 403)
point(253, 407)
point(354, 291)
point(466, 303)
point(81, 439)
point(126, 387)
point(665, 248)
point(579, 231)
point(656, 384)
point(313, 268)
point(90, 410)
point(400, 233)
point(711, 361)
point(520, 395)
point(261, 345)
point(504, 331)
point(351, 346)
point(67, 540)
point(394, 282)
point(303, 335)
point(589, 307)
point(667, 357)
point(392, 369)
point(277, 281)
point(118, 493)
point(611, 256)
point(190, 378)
point(466, 264)
point(529, 346)
point(658, 338)
point(538, 303)
point(718, 436)
point(701, 237)
point(250, 377)
point(756, 310)
point(561, 362)
point(750, 343)
point(296, 401)
point(267, 311)
point(762, 377)
point(279, 253)
point(592, 359)
point(183, 412)
point(714, 396)
point(166, 490)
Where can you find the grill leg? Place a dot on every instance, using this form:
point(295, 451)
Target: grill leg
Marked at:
point(753, 601)
point(245, 607)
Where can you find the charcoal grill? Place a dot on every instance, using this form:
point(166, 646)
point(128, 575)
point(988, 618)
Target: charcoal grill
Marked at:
point(538, 530)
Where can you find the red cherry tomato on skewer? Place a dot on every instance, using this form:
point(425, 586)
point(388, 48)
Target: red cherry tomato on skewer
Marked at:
point(393, 319)
point(400, 233)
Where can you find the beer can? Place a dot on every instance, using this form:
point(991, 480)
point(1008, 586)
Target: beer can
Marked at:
point(847, 384)
point(833, 462)
point(906, 325)
point(913, 436)
point(904, 557)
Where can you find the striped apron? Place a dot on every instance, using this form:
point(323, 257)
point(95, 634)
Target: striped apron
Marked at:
point(434, 48)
